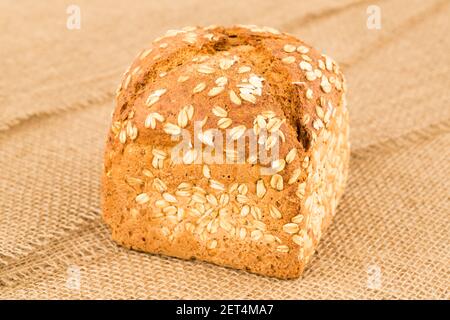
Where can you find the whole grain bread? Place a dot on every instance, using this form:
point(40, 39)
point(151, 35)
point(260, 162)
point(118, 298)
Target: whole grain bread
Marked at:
point(263, 217)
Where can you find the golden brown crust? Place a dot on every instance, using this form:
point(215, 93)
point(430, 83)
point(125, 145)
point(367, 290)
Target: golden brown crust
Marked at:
point(230, 214)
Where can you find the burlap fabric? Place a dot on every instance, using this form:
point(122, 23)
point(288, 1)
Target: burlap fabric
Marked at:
point(391, 236)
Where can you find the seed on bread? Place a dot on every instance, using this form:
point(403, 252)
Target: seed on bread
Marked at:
point(244, 69)
point(234, 98)
point(199, 87)
point(142, 198)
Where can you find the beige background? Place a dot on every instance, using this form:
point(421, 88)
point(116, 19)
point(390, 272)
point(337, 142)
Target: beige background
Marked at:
point(56, 94)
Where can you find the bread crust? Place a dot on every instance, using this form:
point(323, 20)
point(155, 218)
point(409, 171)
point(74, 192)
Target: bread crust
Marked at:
point(228, 214)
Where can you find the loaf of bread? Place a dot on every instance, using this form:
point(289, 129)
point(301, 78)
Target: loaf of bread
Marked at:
point(181, 174)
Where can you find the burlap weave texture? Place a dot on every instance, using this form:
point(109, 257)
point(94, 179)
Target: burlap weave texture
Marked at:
point(56, 94)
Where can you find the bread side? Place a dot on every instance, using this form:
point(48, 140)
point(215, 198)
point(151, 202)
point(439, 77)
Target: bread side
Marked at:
point(230, 214)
